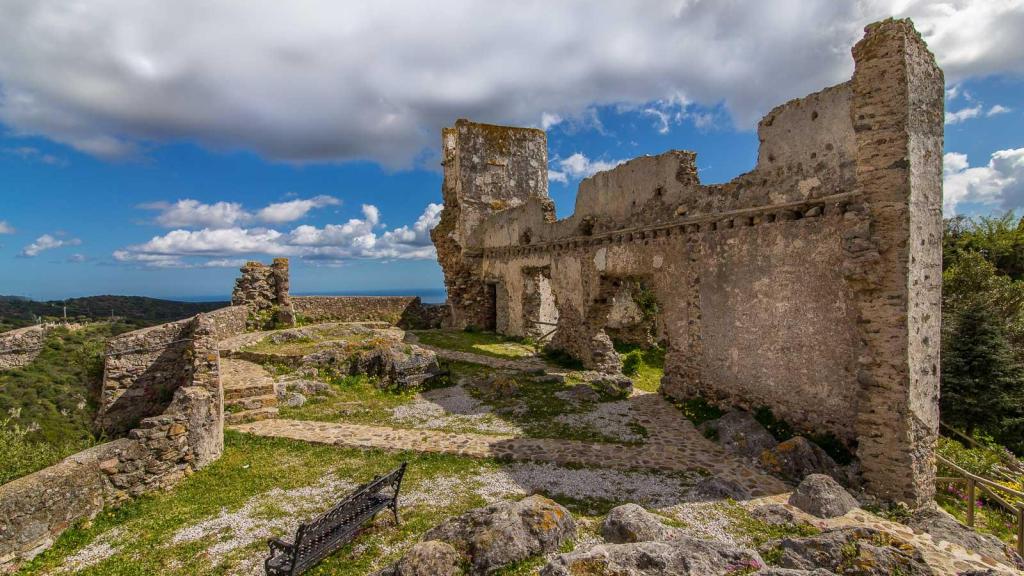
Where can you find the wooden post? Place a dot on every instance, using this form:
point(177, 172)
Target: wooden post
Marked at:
point(970, 501)
point(1020, 530)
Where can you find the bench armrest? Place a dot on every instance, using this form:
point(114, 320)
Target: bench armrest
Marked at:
point(278, 545)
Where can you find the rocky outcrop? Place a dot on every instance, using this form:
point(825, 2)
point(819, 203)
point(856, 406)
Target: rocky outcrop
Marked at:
point(631, 523)
point(430, 558)
point(739, 433)
point(681, 557)
point(821, 496)
point(507, 532)
point(798, 457)
point(942, 526)
point(860, 551)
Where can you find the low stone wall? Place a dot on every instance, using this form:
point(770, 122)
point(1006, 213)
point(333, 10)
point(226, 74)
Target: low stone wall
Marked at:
point(20, 347)
point(228, 321)
point(406, 311)
point(180, 360)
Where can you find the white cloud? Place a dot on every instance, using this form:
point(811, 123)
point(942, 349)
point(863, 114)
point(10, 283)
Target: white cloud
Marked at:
point(6, 228)
point(47, 242)
point(294, 209)
point(549, 120)
point(998, 109)
point(189, 213)
point(77, 258)
point(356, 239)
point(1000, 182)
point(324, 81)
point(579, 166)
point(963, 114)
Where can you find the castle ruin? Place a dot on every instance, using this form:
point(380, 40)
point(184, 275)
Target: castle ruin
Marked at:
point(809, 285)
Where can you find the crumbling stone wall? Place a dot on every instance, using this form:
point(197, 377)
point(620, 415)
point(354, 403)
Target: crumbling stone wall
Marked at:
point(178, 360)
point(264, 290)
point(809, 285)
point(21, 346)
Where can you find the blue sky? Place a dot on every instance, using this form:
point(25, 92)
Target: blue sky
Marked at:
point(151, 149)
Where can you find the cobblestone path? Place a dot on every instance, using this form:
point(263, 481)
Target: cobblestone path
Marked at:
point(673, 444)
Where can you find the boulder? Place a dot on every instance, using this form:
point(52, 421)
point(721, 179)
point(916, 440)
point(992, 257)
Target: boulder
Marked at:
point(396, 365)
point(608, 384)
point(862, 551)
point(823, 497)
point(798, 457)
point(430, 558)
point(631, 523)
point(507, 532)
point(773, 515)
point(682, 557)
point(303, 386)
point(942, 526)
point(739, 433)
point(715, 488)
point(293, 400)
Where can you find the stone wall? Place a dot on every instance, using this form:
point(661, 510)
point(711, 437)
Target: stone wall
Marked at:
point(141, 371)
point(405, 311)
point(175, 438)
point(264, 290)
point(809, 285)
point(21, 346)
point(487, 169)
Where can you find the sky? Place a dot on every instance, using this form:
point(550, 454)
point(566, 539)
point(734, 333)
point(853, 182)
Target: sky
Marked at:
point(152, 147)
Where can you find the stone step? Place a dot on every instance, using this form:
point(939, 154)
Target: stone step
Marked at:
point(253, 402)
point(250, 415)
point(247, 390)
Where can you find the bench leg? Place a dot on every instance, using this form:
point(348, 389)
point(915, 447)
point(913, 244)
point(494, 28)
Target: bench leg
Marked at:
point(394, 510)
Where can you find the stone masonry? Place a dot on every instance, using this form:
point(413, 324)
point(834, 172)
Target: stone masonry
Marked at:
point(21, 346)
point(264, 290)
point(162, 390)
point(809, 285)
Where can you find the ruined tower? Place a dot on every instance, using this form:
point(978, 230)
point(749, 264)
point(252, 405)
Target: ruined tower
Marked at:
point(487, 169)
point(809, 285)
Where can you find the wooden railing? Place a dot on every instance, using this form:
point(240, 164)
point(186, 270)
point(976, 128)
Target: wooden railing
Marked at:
point(989, 488)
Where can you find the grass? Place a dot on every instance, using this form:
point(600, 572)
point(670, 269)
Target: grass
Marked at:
point(647, 366)
point(142, 530)
point(985, 460)
point(533, 406)
point(48, 406)
point(353, 399)
point(485, 343)
point(252, 466)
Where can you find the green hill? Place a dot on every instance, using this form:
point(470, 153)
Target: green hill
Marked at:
point(138, 311)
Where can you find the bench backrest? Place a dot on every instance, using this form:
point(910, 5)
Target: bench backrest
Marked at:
point(319, 537)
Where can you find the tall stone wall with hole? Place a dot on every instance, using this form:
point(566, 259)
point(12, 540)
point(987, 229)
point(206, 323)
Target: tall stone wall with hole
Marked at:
point(809, 285)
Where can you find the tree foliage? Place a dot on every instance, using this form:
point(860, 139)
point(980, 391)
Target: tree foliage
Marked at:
point(983, 327)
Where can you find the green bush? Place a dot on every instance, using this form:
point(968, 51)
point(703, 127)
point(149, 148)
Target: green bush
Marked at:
point(632, 361)
point(20, 455)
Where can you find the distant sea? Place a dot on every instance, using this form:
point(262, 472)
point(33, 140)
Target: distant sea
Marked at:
point(427, 295)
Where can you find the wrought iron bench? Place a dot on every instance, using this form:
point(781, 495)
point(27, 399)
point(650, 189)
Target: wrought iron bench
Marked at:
point(331, 530)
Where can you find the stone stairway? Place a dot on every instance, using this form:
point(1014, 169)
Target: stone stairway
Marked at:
point(248, 392)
